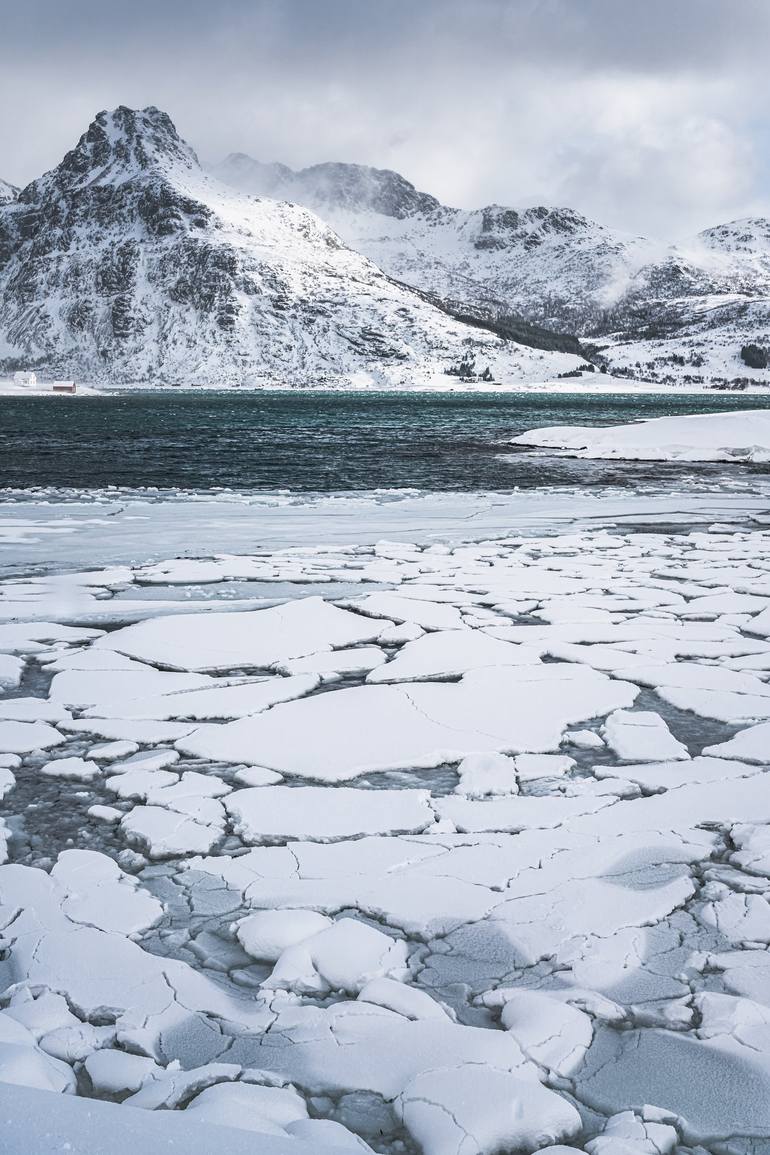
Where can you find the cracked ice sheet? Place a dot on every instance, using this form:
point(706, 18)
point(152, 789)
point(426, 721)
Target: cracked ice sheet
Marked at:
point(715, 1091)
point(671, 775)
point(430, 885)
point(450, 653)
point(601, 900)
point(337, 736)
point(280, 813)
point(257, 639)
point(473, 1109)
point(47, 945)
point(212, 701)
point(711, 691)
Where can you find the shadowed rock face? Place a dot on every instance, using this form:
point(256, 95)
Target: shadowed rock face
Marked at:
point(84, 234)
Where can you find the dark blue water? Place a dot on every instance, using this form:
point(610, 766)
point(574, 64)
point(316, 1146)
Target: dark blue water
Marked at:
point(320, 441)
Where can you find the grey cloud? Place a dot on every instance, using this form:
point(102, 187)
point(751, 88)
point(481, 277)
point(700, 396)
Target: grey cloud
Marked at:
point(639, 112)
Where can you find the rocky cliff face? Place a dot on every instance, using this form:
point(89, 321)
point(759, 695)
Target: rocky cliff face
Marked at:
point(8, 192)
point(128, 263)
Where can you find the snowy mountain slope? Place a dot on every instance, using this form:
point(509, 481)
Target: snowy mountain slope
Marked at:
point(688, 315)
point(550, 265)
point(730, 260)
point(8, 192)
point(648, 304)
point(128, 263)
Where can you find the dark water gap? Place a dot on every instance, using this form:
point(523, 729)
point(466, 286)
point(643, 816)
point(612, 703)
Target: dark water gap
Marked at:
point(333, 442)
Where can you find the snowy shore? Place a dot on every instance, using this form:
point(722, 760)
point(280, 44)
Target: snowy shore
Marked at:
point(9, 388)
point(589, 383)
point(742, 436)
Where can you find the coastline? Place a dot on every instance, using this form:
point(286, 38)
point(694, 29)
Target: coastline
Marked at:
point(606, 385)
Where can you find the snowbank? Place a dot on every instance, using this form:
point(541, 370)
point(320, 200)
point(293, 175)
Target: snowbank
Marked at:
point(742, 436)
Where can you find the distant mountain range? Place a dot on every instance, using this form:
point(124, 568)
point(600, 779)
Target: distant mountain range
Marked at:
point(552, 266)
point(636, 299)
point(128, 263)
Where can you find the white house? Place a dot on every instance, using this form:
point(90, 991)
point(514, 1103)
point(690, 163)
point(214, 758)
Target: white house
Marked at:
point(25, 378)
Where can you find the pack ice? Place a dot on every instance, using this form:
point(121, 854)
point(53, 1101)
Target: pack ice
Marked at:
point(474, 861)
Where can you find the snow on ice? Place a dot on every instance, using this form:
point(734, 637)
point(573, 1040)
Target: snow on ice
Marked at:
point(478, 862)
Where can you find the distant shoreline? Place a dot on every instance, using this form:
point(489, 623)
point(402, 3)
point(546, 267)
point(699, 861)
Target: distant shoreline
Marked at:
point(612, 387)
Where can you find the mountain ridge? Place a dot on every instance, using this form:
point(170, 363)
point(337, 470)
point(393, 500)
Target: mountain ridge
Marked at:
point(127, 262)
point(629, 296)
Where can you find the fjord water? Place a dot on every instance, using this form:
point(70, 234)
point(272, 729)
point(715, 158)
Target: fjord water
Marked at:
point(322, 441)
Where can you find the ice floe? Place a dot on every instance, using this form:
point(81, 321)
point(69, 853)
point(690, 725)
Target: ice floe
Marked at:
point(483, 1110)
point(476, 862)
point(281, 813)
point(226, 641)
point(77, 769)
point(341, 957)
point(641, 736)
point(25, 737)
point(524, 708)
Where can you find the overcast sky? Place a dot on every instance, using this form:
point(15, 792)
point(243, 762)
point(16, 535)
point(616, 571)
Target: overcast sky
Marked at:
point(649, 115)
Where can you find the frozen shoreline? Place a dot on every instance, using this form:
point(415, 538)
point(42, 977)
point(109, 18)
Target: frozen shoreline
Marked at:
point(742, 436)
point(590, 384)
point(45, 532)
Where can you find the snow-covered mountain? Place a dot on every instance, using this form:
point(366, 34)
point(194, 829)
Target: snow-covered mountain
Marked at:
point(8, 192)
point(688, 315)
point(128, 262)
point(550, 265)
point(664, 312)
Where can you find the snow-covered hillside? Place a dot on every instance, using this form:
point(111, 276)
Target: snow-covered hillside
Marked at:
point(550, 265)
point(689, 314)
point(8, 192)
point(663, 312)
point(128, 263)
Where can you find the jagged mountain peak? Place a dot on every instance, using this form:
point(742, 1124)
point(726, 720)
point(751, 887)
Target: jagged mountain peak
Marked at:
point(117, 146)
point(501, 226)
point(332, 185)
point(380, 190)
